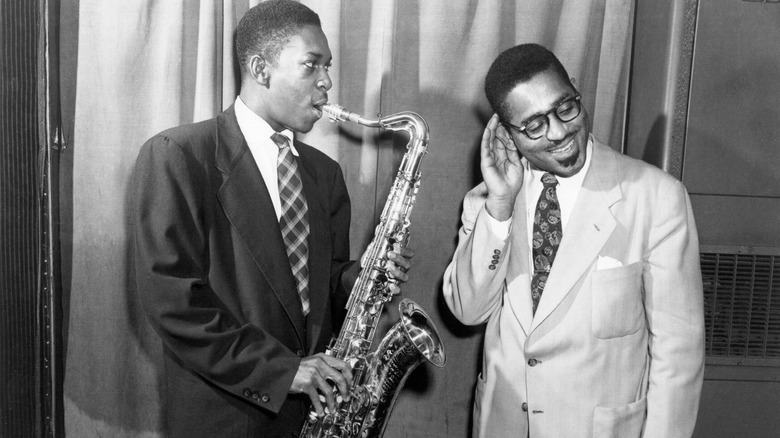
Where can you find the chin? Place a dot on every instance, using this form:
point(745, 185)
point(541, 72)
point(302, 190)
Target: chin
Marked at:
point(573, 162)
point(303, 127)
point(571, 166)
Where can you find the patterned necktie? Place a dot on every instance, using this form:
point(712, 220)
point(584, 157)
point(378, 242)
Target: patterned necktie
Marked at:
point(546, 237)
point(293, 220)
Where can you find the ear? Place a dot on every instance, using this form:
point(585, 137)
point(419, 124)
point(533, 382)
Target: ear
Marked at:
point(503, 134)
point(258, 69)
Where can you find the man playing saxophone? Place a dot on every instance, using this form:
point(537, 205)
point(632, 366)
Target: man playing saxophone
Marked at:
point(242, 243)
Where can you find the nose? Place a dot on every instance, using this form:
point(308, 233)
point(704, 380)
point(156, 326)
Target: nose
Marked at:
point(324, 83)
point(556, 130)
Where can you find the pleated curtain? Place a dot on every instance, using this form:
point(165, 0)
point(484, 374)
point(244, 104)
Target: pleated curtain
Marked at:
point(147, 65)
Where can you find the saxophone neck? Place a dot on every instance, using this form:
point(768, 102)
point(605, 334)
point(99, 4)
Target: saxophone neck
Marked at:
point(403, 121)
point(408, 121)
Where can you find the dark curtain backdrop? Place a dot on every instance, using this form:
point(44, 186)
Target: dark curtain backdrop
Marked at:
point(146, 65)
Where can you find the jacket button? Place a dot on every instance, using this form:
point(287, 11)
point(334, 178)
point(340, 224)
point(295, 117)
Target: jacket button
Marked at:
point(255, 396)
point(247, 392)
point(492, 267)
point(265, 398)
point(525, 407)
point(496, 251)
point(532, 362)
point(299, 353)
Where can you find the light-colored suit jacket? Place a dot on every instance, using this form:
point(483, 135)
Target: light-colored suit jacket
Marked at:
point(616, 347)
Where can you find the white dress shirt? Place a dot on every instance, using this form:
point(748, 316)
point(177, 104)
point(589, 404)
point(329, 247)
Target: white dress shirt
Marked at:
point(257, 133)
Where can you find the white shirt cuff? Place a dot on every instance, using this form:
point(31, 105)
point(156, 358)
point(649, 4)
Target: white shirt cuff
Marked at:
point(500, 229)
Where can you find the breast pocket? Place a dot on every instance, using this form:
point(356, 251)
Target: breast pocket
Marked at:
point(617, 301)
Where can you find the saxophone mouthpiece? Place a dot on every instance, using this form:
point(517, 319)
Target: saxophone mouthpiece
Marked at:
point(338, 113)
point(335, 112)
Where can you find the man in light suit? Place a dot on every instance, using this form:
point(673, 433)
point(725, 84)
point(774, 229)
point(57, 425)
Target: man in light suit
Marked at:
point(242, 344)
point(595, 333)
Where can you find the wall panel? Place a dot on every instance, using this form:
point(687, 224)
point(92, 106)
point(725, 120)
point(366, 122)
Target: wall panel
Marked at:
point(703, 106)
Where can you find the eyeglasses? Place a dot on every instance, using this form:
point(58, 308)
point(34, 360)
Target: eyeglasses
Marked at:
point(537, 126)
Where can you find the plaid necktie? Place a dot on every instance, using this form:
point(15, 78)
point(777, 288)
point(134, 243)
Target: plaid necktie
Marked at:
point(293, 220)
point(546, 237)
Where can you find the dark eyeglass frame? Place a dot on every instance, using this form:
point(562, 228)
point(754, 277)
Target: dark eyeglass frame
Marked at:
point(546, 117)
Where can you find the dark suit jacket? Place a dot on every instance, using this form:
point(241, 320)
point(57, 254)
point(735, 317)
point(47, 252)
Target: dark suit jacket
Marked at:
point(216, 283)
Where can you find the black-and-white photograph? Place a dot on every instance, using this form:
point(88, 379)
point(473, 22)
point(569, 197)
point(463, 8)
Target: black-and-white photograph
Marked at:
point(389, 218)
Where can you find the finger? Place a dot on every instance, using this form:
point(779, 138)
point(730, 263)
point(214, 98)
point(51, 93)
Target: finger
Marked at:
point(398, 270)
point(399, 275)
point(399, 261)
point(336, 382)
point(487, 137)
point(406, 252)
point(340, 374)
point(490, 129)
point(485, 152)
point(394, 289)
point(315, 400)
point(329, 400)
point(494, 122)
point(334, 363)
point(324, 391)
point(346, 371)
point(499, 150)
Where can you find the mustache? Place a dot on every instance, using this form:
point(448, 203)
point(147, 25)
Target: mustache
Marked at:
point(564, 140)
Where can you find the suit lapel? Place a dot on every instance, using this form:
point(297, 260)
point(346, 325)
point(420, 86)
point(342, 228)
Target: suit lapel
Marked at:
point(588, 228)
point(518, 276)
point(247, 204)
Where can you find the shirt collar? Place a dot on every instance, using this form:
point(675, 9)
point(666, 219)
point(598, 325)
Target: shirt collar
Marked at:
point(255, 128)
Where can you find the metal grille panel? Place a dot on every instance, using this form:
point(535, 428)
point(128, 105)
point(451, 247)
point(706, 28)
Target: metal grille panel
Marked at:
point(742, 307)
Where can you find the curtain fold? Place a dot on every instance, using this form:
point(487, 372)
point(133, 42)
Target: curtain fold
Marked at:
point(147, 65)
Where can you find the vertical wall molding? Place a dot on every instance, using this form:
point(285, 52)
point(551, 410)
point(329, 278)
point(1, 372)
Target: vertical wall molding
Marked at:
point(661, 62)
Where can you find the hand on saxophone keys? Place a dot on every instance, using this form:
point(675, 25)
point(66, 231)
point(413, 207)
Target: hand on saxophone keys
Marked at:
point(398, 267)
point(323, 378)
point(395, 264)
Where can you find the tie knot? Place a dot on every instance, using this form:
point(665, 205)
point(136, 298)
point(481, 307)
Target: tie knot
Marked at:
point(548, 179)
point(280, 140)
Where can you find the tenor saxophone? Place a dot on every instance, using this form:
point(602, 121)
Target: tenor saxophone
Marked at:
point(379, 375)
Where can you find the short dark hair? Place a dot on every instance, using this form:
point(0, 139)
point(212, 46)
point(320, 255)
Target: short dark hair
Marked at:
point(514, 66)
point(267, 27)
